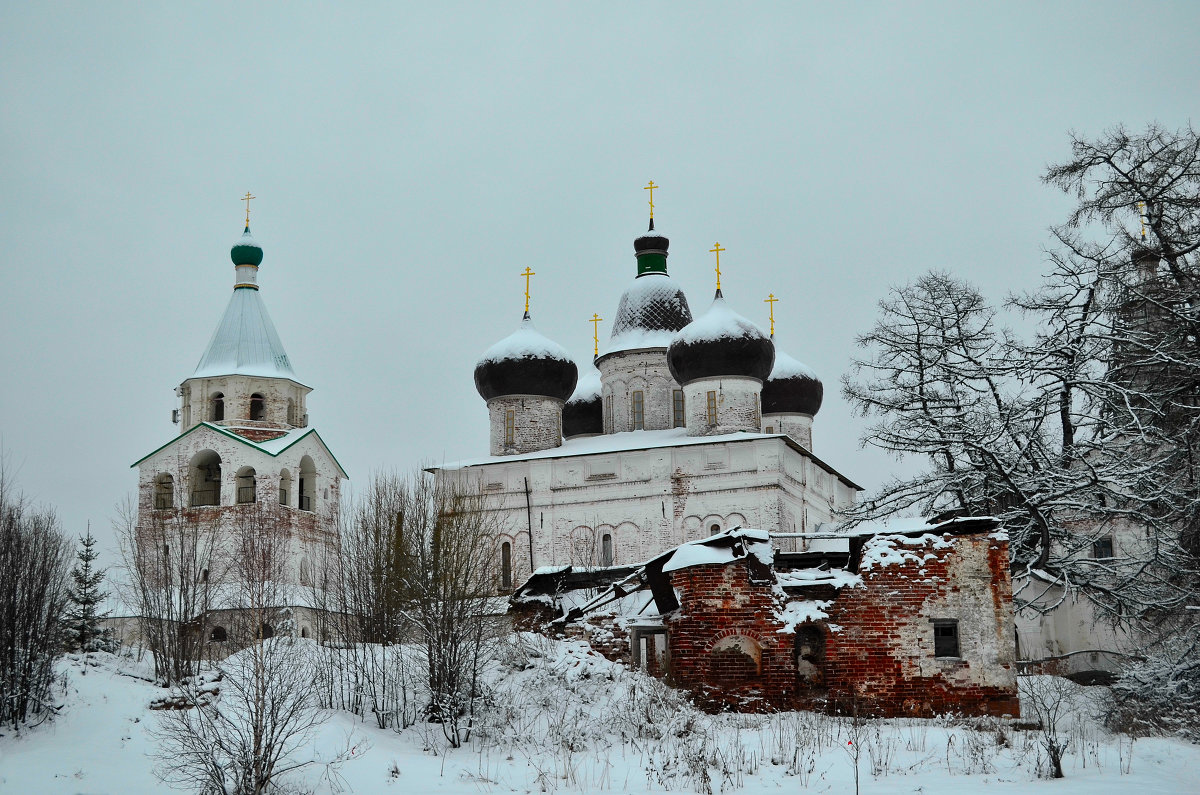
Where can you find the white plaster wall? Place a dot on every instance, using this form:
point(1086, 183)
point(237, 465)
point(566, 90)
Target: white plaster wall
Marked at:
point(237, 389)
point(650, 500)
point(738, 407)
point(646, 370)
point(797, 426)
point(537, 423)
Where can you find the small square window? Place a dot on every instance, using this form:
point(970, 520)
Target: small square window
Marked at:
point(945, 638)
point(1102, 547)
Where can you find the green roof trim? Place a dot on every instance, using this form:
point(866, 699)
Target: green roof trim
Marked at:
point(248, 443)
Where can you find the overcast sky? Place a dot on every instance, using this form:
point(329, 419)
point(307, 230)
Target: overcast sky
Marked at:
point(410, 159)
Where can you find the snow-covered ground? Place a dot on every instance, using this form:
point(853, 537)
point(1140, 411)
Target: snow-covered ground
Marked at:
point(561, 718)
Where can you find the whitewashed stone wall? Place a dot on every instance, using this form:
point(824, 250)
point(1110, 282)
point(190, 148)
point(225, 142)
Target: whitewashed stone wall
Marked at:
point(797, 426)
point(651, 500)
point(537, 423)
point(738, 407)
point(623, 373)
point(196, 394)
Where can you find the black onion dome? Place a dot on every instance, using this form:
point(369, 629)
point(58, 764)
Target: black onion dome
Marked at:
point(792, 388)
point(525, 363)
point(651, 242)
point(582, 413)
point(720, 343)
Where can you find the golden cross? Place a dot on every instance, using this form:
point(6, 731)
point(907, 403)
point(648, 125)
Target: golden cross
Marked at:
point(716, 249)
point(1142, 218)
point(770, 301)
point(528, 272)
point(651, 188)
point(247, 199)
point(596, 334)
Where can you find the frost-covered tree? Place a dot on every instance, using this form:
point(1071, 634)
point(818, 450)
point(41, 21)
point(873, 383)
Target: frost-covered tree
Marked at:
point(1087, 428)
point(83, 628)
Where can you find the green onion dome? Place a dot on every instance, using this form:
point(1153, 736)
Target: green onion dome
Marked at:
point(246, 250)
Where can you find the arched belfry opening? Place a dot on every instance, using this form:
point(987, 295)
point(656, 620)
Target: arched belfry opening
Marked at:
point(164, 491)
point(216, 407)
point(204, 479)
point(285, 487)
point(308, 484)
point(246, 490)
point(258, 407)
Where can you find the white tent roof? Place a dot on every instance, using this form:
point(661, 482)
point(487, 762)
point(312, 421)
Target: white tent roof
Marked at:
point(245, 342)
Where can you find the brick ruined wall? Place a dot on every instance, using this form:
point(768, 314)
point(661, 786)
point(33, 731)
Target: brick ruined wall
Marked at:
point(727, 648)
point(882, 657)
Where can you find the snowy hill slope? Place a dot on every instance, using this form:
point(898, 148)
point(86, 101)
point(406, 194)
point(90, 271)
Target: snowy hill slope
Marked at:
point(560, 718)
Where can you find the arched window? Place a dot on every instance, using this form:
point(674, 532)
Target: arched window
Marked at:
point(164, 491)
point(506, 566)
point(304, 632)
point(218, 635)
point(246, 491)
point(291, 412)
point(258, 407)
point(714, 529)
point(305, 572)
point(216, 407)
point(204, 575)
point(606, 550)
point(285, 487)
point(308, 484)
point(265, 631)
point(205, 479)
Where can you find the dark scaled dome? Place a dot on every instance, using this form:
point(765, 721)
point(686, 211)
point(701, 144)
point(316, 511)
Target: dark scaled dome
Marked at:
point(246, 250)
point(582, 413)
point(525, 363)
point(720, 343)
point(792, 388)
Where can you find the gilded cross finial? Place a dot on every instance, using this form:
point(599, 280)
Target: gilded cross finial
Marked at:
point(595, 321)
point(1142, 218)
point(247, 199)
point(716, 249)
point(527, 273)
point(651, 188)
point(770, 301)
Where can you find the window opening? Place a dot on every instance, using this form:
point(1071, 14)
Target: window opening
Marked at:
point(713, 530)
point(945, 638)
point(608, 414)
point(638, 410)
point(285, 487)
point(258, 407)
point(677, 409)
point(712, 408)
point(291, 412)
point(164, 491)
point(510, 426)
point(308, 478)
point(218, 635)
point(246, 491)
point(606, 550)
point(217, 409)
point(506, 566)
point(1102, 547)
point(205, 479)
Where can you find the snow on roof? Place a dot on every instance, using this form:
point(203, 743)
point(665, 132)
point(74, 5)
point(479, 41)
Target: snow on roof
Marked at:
point(719, 549)
point(651, 310)
point(588, 386)
point(794, 613)
point(637, 440)
point(525, 342)
point(838, 578)
point(245, 342)
point(787, 367)
point(272, 447)
point(719, 322)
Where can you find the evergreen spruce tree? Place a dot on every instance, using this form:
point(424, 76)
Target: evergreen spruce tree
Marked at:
point(84, 632)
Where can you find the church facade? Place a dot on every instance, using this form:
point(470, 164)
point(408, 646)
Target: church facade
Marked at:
point(680, 428)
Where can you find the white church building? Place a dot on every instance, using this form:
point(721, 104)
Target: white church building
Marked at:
point(682, 427)
point(244, 439)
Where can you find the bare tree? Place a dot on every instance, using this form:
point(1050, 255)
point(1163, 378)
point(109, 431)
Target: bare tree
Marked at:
point(173, 565)
point(246, 724)
point(34, 559)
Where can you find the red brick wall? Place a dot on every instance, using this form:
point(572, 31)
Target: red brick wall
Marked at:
point(880, 659)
